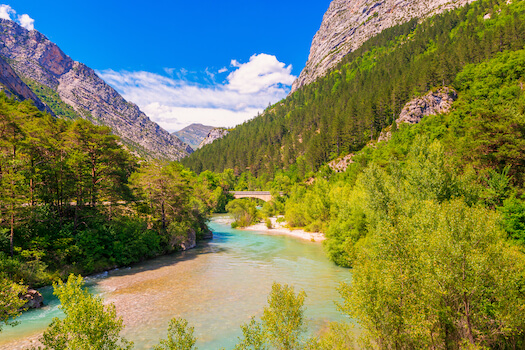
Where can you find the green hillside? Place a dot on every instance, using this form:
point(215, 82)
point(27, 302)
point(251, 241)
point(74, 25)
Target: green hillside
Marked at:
point(344, 110)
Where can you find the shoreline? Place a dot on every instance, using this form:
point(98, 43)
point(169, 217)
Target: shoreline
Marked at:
point(281, 229)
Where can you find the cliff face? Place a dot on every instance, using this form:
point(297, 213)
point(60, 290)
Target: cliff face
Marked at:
point(349, 23)
point(34, 58)
point(215, 134)
point(12, 85)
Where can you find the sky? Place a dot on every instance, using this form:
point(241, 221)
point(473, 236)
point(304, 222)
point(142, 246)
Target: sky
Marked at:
point(217, 63)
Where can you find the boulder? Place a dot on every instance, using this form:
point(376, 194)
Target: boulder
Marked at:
point(34, 300)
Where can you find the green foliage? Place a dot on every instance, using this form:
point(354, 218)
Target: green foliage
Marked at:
point(10, 303)
point(441, 276)
point(66, 204)
point(244, 212)
point(337, 336)
point(282, 322)
point(513, 219)
point(180, 336)
point(88, 324)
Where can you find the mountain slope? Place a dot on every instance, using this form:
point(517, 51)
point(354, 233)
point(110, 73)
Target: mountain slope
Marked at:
point(193, 134)
point(347, 108)
point(347, 24)
point(53, 74)
point(11, 84)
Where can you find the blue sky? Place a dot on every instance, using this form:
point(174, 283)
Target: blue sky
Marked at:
point(212, 62)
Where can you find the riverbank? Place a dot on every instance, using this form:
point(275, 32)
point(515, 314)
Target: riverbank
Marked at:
point(280, 228)
point(217, 287)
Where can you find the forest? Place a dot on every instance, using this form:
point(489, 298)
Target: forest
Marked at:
point(73, 200)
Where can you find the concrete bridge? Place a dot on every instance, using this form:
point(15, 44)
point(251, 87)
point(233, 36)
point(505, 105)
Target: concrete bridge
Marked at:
point(264, 195)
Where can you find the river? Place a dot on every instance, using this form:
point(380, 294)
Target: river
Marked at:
point(217, 287)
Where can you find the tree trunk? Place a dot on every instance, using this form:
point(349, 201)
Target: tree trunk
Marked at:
point(163, 216)
point(11, 237)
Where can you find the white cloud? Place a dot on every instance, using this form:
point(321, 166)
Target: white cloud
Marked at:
point(262, 72)
point(223, 70)
point(26, 22)
point(6, 11)
point(176, 103)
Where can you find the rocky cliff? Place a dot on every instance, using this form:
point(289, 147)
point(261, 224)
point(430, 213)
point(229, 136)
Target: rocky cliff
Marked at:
point(215, 134)
point(433, 103)
point(349, 23)
point(41, 63)
point(12, 85)
point(194, 134)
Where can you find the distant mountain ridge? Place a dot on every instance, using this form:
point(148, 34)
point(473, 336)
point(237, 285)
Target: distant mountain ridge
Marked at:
point(214, 134)
point(193, 134)
point(73, 87)
point(347, 24)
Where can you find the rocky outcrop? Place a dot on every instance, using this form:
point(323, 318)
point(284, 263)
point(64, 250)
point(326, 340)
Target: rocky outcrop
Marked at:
point(33, 57)
point(349, 23)
point(215, 134)
point(341, 164)
point(433, 103)
point(34, 300)
point(12, 85)
point(194, 134)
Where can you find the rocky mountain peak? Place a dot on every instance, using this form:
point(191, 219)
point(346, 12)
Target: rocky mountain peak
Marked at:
point(347, 24)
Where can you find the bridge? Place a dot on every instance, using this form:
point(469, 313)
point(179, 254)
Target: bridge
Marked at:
point(264, 195)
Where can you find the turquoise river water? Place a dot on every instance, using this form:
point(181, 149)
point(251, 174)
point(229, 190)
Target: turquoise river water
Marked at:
point(217, 287)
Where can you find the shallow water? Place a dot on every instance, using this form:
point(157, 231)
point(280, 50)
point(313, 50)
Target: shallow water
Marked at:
point(217, 287)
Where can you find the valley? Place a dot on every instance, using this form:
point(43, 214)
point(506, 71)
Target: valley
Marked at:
point(400, 146)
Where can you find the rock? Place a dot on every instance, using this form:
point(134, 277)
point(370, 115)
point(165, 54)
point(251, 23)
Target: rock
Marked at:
point(207, 235)
point(190, 242)
point(34, 58)
point(215, 134)
point(340, 165)
point(347, 24)
point(194, 134)
point(385, 135)
point(35, 300)
point(433, 103)
point(12, 85)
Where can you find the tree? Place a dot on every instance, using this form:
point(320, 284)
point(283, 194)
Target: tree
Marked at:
point(442, 277)
point(89, 324)
point(282, 322)
point(180, 336)
point(10, 303)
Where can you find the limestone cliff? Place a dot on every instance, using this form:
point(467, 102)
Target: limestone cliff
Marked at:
point(349, 23)
point(215, 134)
point(36, 59)
point(12, 85)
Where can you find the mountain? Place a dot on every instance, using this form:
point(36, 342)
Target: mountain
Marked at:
point(347, 108)
point(72, 90)
point(349, 23)
point(214, 134)
point(193, 134)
